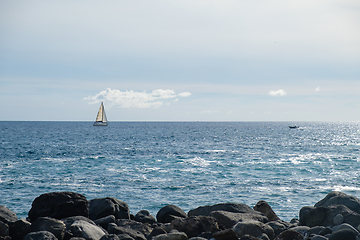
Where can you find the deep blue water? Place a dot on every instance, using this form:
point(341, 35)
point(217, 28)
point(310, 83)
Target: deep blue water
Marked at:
point(188, 164)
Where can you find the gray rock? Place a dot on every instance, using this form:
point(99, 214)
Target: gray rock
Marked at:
point(145, 217)
point(199, 238)
point(229, 219)
point(59, 205)
point(170, 212)
point(125, 237)
point(278, 226)
point(303, 230)
point(228, 207)
point(103, 207)
point(265, 209)
point(41, 235)
point(253, 228)
point(156, 231)
point(6, 215)
point(115, 229)
point(249, 237)
point(342, 235)
point(4, 229)
point(19, 229)
point(339, 198)
point(81, 228)
point(338, 219)
point(194, 226)
point(316, 230)
point(55, 226)
point(145, 229)
point(174, 235)
point(345, 226)
point(110, 237)
point(319, 237)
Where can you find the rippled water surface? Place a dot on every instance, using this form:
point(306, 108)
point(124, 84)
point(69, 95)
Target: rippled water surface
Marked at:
point(151, 164)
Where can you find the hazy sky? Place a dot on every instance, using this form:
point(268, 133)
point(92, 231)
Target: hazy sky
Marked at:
point(188, 60)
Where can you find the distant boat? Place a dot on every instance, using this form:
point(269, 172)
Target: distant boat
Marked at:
point(101, 117)
point(293, 127)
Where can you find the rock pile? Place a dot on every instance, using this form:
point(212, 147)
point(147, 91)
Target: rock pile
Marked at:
point(70, 216)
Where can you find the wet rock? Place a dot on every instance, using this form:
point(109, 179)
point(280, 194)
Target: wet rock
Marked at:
point(228, 207)
point(227, 234)
point(41, 235)
point(170, 212)
point(145, 217)
point(339, 198)
point(6, 215)
point(194, 226)
point(173, 235)
point(229, 219)
point(253, 228)
point(103, 207)
point(115, 229)
point(104, 222)
point(55, 226)
point(290, 235)
point(343, 234)
point(84, 229)
point(59, 205)
point(19, 229)
point(264, 208)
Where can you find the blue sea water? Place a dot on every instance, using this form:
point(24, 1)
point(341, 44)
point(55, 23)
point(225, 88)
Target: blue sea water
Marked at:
point(188, 164)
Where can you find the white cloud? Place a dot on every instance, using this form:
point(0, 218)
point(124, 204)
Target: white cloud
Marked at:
point(279, 92)
point(317, 89)
point(133, 99)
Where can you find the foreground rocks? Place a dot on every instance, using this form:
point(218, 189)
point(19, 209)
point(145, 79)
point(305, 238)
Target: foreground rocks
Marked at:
point(68, 215)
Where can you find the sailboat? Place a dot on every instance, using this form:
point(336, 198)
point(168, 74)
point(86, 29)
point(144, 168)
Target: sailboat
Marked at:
point(101, 117)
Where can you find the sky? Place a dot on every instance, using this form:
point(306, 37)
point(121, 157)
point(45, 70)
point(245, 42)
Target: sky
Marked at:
point(188, 60)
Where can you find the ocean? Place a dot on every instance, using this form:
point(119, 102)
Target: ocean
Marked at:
point(189, 164)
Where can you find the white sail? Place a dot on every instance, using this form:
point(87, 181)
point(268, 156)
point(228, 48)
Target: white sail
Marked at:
point(101, 119)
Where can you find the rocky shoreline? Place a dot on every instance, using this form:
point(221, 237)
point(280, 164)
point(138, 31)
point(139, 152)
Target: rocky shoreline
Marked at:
point(69, 215)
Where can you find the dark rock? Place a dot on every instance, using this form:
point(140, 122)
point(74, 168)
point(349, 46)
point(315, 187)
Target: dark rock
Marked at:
point(303, 213)
point(323, 216)
point(265, 209)
point(110, 237)
point(228, 207)
point(115, 229)
point(173, 235)
point(77, 238)
point(125, 237)
point(278, 226)
point(319, 237)
point(55, 226)
point(6, 215)
point(145, 229)
point(339, 198)
point(290, 235)
point(253, 228)
point(317, 230)
point(345, 226)
point(84, 229)
point(102, 207)
point(70, 220)
point(145, 217)
point(19, 229)
point(156, 231)
point(194, 226)
point(197, 238)
point(59, 205)
point(170, 212)
point(104, 222)
point(342, 235)
point(4, 229)
point(249, 237)
point(303, 230)
point(326, 231)
point(41, 235)
point(229, 219)
point(227, 234)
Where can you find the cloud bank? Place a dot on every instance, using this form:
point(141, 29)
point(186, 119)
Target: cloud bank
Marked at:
point(276, 93)
point(133, 99)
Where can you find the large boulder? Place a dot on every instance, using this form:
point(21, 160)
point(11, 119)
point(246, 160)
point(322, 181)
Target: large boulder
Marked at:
point(227, 234)
point(173, 235)
point(324, 216)
point(253, 228)
point(137, 226)
point(59, 205)
point(229, 219)
point(84, 229)
point(170, 212)
point(41, 235)
point(19, 229)
point(265, 209)
point(55, 226)
point(228, 207)
point(102, 207)
point(118, 230)
point(339, 198)
point(145, 217)
point(194, 226)
point(290, 235)
point(6, 215)
point(4, 229)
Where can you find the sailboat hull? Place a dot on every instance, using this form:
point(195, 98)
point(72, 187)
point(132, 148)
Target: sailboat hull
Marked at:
point(100, 124)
